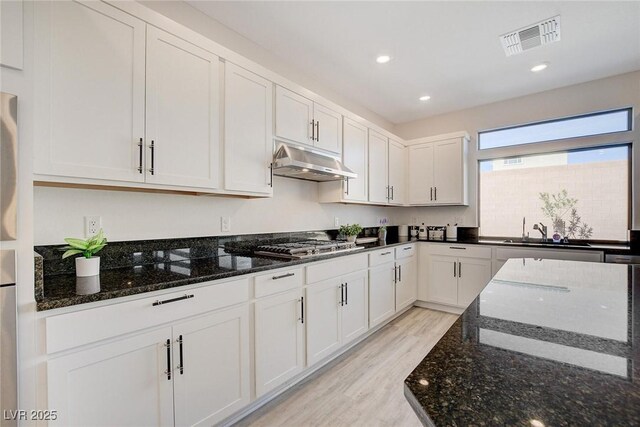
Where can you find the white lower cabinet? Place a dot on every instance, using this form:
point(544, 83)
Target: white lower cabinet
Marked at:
point(337, 312)
point(279, 339)
point(457, 280)
point(196, 372)
point(382, 293)
point(122, 383)
point(406, 283)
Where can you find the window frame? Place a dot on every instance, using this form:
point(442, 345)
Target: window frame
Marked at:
point(630, 126)
point(608, 140)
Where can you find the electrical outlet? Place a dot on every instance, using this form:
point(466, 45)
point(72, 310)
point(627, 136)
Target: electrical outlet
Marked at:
point(225, 224)
point(92, 224)
point(336, 221)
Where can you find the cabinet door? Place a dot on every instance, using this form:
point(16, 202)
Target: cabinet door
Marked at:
point(397, 172)
point(355, 158)
point(421, 174)
point(443, 280)
point(248, 138)
point(11, 34)
point(382, 297)
point(407, 284)
point(122, 383)
point(328, 129)
point(293, 116)
point(215, 377)
point(448, 172)
point(323, 319)
point(355, 311)
point(183, 98)
point(473, 276)
point(279, 335)
point(378, 168)
point(89, 86)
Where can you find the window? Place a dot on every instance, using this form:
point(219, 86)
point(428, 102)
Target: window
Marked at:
point(571, 127)
point(581, 194)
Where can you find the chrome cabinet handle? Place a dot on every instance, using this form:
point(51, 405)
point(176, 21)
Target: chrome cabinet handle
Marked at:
point(454, 269)
point(430, 193)
point(459, 269)
point(435, 193)
point(181, 365)
point(400, 273)
point(271, 175)
point(347, 192)
point(168, 371)
point(302, 310)
point(153, 152)
point(318, 130)
point(408, 248)
point(385, 253)
point(395, 274)
point(346, 294)
point(388, 193)
point(167, 301)
point(140, 155)
point(457, 247)
point(283, 276)
point(392, 192)
point(313, 130)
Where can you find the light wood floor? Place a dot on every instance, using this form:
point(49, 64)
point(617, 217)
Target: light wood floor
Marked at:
point(365, 387)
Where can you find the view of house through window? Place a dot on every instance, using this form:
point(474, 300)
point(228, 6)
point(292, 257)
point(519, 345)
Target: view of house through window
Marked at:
point(581, 194)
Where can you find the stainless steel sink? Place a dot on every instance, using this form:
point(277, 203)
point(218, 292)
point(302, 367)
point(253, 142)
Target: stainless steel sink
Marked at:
point(547, 243)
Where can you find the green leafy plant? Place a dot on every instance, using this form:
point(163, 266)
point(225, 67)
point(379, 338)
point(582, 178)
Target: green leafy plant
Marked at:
point(350, 229)
point(87, 248)
point(556, 206)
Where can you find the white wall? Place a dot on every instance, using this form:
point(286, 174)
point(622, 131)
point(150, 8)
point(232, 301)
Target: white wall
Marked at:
point(612, 92)
point(188, 16)
point(59, 213)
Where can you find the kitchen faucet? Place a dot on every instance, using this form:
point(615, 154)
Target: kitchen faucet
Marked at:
point(543, 230)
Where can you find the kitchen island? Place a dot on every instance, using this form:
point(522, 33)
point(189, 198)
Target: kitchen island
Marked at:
point(546, 343)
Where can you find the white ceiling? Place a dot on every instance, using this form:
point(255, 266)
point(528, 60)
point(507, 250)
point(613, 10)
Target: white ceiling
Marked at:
point(449, 50)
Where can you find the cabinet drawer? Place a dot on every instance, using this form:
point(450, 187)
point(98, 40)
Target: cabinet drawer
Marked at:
point(380, 257)
point(70, 330)
point(467, 251)
point(405, 251)
point(278, 281)
point(336, 267)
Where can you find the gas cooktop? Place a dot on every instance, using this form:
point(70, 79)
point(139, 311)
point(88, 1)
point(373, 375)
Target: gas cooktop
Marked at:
point(306, 249)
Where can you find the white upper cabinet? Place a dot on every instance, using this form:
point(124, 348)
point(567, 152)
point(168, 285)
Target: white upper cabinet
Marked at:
point(397, 173)
point(293, 116)
point(379, 191)
point(438, 172)
point(355, 157)
point(89, 90)
point(420, 174)
point(11, 34)
point(328, 132)
point(248, 135)
point(301, 120)
point(182, 112)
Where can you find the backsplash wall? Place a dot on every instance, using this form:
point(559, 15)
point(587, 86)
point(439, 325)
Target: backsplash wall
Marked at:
point(60, 212)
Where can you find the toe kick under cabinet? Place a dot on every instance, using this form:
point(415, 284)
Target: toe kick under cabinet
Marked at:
point(191, 370)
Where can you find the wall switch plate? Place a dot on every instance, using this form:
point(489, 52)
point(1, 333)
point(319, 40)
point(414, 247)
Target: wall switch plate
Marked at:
point(225, 224)
point(336, 221)
point(92, 224)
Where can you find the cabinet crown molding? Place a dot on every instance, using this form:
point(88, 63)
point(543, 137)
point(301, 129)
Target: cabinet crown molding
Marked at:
point(434, 138)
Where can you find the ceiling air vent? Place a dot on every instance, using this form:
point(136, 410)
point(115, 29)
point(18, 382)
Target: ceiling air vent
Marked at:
point(544, 32)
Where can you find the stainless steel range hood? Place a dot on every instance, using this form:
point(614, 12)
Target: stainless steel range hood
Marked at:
point(302, 163)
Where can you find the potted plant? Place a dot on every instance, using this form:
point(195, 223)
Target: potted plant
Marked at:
point(87, 264)
point(382, 233)
point(351, 231)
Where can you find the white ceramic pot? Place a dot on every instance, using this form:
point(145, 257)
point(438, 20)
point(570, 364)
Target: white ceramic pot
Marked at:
point(86, 267)
point(351, 238)
point(87, 285)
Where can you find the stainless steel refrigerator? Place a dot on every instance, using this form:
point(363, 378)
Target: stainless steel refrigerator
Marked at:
point(8, 231)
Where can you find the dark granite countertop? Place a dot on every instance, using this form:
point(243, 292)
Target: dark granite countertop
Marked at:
point(546, 343)
point(175, 269)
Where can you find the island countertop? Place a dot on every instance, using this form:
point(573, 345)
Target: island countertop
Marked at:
point(546, 343)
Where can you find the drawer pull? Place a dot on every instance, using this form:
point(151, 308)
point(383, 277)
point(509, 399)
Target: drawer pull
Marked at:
point(283, 276)
point(385, 253)
point(167, 301)
point(457, 247)
point(407, 248)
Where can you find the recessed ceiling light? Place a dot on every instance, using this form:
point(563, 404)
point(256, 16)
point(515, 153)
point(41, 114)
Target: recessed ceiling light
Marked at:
point(539, 67)
point(424, 98)
point(383, 59)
